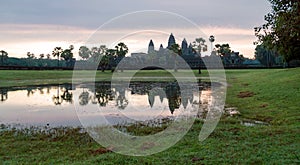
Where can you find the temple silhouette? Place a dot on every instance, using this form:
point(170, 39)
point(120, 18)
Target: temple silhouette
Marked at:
point(186, 50)
point(164, 56)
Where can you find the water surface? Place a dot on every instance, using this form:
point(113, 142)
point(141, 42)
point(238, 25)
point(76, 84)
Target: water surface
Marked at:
point(60, 105)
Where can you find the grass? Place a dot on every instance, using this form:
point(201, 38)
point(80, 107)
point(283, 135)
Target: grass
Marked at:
point(276, 94)
point(274, 99)
point(10, 78)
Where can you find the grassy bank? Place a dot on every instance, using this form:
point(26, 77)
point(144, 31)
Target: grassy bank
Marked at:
point(270, 96)
point(9, 78)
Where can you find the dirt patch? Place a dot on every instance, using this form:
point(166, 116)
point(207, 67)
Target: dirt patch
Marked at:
point(101, 151)
point(147, 145)
point(196, 159)
point(245, 94)
point(245, 84)
point(263, 105)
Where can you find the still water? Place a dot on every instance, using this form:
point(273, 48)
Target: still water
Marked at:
point(60, 105)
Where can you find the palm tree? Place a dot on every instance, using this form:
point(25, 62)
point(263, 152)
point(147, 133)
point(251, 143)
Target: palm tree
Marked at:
point(4, 55)
point(42, 56)
point(199, 45)
point(121, 49)
point(211, 40)
point(57, 52)
point(84, 52)
point(67, 54)
point(48, 56)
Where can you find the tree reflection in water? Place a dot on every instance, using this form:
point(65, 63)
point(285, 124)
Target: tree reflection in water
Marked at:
point(67, 96)
point(173, 96)
point(56, 98)
point(84, 97)
point(30, 91)
point(103, 94)
point(4, 95)
point(121, 100)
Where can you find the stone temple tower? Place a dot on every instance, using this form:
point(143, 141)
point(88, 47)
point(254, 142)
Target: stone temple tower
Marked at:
point(171, 41)
point(184, 47)
point(150, 47)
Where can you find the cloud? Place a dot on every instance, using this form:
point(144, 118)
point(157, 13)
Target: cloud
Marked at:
point(65, 21)
point(17, 39)
point(92, 13)
point(43, 38)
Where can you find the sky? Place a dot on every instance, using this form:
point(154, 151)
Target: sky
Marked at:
point(38, 26)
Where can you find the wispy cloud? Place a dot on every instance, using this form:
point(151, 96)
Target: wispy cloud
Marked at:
point(18, 39)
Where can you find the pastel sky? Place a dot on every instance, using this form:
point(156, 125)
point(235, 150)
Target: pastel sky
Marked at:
point(38, 26)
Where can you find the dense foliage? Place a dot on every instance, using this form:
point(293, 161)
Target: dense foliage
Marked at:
point(281, 32)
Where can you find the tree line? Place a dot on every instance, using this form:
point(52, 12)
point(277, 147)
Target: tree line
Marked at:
point(65, 57)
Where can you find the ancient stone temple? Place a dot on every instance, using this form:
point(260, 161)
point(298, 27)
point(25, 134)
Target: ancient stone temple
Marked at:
point(171, 41)
point(184, 47)
point(151, 47)
point(187, 51)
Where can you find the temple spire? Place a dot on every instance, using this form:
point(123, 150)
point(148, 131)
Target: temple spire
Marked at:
point(150, 47)
point(184, 47)
point(171, 40)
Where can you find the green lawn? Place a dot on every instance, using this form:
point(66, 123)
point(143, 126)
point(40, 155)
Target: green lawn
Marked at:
point(9, 78)
point(271, 96)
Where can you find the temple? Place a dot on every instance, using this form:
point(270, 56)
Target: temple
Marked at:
point(186, 50)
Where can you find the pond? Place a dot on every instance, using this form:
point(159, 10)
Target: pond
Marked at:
point(60, 105)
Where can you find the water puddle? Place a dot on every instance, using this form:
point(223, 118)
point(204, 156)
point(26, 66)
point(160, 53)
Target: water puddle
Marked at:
point(252, 123)
point(49, 106)
point(231, 111)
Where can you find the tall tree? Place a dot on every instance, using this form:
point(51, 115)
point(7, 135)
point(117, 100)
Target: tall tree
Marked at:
point(84, 52)
point(4, 56)
point(30, 55)
point(48, 56)
point(42, 56)
point(223, 49)
point(95, 54)
point(211, 40)
point(56, 53)
point(121, 49)
point(111, 56)
point(104, 59)
point(264, 55)
point(281, 32)
point(67, 54)
point(176, 51)
point(199, 45)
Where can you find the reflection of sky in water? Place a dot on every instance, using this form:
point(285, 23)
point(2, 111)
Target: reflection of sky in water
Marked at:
point(37, 106)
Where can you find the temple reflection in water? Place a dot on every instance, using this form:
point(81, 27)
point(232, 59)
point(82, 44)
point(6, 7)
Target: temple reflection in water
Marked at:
point(103, 93)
